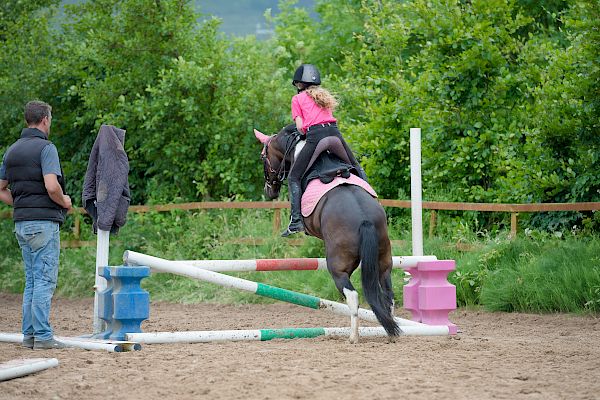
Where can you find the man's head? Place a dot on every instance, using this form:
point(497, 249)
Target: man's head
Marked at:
point(38, 115)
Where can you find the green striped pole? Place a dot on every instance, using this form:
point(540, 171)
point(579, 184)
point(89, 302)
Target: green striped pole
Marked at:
point(248, 335)
point(288, 296)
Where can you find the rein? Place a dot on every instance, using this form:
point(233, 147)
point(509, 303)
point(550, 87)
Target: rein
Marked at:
point(282, 172)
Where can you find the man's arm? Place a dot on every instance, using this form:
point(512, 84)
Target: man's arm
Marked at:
point(55, 191)
point(5, 194)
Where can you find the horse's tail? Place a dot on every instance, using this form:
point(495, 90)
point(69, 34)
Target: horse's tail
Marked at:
point(372, 290)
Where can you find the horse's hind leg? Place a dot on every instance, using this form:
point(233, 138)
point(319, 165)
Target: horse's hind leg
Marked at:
point(352, 301)
point(343, 284)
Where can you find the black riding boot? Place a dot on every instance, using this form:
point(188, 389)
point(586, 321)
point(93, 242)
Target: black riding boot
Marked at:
point(296, 224)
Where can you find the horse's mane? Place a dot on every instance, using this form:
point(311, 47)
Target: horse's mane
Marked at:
point(288, 130)
point(284, 135)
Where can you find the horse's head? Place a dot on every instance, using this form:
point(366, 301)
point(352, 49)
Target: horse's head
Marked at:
point(277, 156)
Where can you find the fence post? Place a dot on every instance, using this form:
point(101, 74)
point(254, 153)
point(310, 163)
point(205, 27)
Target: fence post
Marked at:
point(432, 221)
point(513, 225)
point(76, 227)
point(276, 221)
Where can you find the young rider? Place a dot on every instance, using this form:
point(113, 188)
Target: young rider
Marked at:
point(312, 110)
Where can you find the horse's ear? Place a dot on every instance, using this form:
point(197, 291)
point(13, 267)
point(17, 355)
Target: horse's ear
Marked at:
point(261, 136)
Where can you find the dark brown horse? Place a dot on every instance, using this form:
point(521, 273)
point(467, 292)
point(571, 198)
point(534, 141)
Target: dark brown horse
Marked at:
point(354, 228)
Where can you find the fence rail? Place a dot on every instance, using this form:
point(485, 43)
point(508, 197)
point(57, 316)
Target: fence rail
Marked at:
point(434, 206)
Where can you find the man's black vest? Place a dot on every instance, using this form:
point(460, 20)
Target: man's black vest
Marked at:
point(23, 163)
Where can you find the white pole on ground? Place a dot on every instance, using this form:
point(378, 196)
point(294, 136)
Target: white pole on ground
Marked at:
point(194, 336)
point(416, 202)
point(81, 343)
point(90, 344)
point(17, 368)
point(102, 247)
point(268, 334)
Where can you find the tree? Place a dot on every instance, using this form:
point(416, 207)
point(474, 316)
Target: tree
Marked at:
point(27, 52)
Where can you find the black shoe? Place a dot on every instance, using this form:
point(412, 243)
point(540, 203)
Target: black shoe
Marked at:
point(28, 343)
point(48, 344)
point(294, 227)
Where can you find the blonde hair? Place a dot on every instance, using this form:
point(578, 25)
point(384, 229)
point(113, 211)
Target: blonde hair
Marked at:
point(322, 97)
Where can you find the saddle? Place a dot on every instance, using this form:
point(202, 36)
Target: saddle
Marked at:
point(325, 168)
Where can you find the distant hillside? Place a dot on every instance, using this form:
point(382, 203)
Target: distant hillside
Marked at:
point(239, 17)
point(243, 17)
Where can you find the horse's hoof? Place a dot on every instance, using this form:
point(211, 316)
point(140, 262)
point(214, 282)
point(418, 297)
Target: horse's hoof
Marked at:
point(353, 340)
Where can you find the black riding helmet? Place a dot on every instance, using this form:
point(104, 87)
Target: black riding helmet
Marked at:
point(308, 74)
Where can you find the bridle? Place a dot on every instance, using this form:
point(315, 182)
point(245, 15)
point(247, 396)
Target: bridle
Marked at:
point(275, 177)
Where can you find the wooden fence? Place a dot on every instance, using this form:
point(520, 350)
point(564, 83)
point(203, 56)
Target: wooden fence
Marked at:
point(434, 206)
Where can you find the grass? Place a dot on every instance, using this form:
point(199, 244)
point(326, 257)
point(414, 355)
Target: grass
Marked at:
point(541, 274)
point(542, 277)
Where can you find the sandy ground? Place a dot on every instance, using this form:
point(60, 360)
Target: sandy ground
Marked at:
point(497, 356)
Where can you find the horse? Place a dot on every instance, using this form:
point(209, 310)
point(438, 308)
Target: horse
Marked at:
point(353, 227)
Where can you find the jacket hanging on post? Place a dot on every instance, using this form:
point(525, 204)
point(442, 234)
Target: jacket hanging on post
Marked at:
point(106, 193)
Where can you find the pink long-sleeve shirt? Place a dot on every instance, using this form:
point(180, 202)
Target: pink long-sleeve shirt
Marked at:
point(305, 107)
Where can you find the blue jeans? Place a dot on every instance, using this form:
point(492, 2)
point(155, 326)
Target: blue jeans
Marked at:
point(40, 246)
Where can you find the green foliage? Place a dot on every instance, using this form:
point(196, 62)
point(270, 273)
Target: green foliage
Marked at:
point(453, 70)
point(567, 114)
point(201, 119)
point(564, 279)
point(506, 92)
point(125, 49)
point(187, 97)
point(27, 50)
point(301, 39)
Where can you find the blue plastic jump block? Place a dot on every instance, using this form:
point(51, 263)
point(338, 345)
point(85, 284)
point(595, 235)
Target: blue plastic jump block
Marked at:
point(105, 304)
point(131, 303)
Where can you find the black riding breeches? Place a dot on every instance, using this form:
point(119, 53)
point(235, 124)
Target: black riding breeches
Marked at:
point(312, 139)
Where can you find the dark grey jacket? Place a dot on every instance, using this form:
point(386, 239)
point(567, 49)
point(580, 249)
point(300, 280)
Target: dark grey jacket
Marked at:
point(106, 193)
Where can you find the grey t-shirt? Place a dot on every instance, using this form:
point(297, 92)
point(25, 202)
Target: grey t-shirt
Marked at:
point(50, 162)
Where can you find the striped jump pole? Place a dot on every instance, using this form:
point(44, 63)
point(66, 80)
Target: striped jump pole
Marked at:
point(288, 264)
point(261, 289)
point(248, 335)
point(259, 334)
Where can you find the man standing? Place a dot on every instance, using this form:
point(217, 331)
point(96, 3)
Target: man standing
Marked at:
point(31, 168)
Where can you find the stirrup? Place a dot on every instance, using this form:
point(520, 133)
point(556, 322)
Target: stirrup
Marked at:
point(293, 228)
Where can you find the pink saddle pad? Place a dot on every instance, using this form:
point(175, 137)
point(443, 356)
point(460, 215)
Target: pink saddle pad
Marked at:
point(317, 189)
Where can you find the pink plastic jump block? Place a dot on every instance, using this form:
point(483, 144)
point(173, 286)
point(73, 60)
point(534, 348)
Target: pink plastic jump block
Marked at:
point(411, 294)
point(429, 296)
